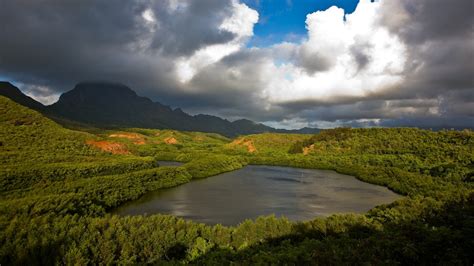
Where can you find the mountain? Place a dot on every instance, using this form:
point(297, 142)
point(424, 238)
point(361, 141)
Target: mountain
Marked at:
point(12, 92)
point(107, 104)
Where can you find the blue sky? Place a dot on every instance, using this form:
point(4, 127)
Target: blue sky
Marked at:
point(284, 20)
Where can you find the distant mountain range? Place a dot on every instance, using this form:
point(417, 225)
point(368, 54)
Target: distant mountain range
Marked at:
point(106, 104)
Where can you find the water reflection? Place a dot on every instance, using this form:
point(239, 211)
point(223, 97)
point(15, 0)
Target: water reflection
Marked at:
point(229, 198)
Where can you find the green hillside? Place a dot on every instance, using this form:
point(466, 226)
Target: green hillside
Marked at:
point(35, 149)
point(58, 186)
point(29, 137)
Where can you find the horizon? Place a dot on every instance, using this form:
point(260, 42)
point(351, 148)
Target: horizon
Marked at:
point(173, 108)
point(287, 65)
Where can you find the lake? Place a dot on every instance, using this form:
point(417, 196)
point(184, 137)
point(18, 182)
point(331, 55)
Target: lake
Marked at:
point(230, 198)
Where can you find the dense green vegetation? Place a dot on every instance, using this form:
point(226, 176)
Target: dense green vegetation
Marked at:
point(213, 165)
point(56, 191)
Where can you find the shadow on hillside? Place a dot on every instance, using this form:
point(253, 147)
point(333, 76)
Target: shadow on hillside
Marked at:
point(445, 237)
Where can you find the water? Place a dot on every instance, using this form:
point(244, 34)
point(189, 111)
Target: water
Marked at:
point(230, 198)
point(169, 163)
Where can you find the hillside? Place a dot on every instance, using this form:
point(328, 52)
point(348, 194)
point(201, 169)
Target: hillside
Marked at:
point(59, 185)
point(27, 136)
point(35, 149)
point(105, 104)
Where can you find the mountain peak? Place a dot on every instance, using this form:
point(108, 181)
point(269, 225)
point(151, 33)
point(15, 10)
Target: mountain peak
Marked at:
point(101, 89)
point(244, 121)
point(84, 85)
point(109, 104)
point(100, 93)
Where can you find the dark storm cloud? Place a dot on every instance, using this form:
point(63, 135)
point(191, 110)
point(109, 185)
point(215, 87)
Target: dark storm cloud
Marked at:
point(452, 110)
point(59, 43)
point(440, 40)
point(371, 109)
point(429, 20)
point(189, 28)
point(232, 84)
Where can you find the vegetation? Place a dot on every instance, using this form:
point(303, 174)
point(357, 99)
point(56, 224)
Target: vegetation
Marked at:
point(213, 164)
point(57, 191)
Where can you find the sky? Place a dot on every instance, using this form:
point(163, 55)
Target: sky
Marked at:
point(284, 20)
point(285, 63)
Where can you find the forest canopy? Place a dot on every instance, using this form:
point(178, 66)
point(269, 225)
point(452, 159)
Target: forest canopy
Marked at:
point(58, 187)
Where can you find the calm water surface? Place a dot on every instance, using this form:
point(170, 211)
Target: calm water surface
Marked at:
point(230, 198)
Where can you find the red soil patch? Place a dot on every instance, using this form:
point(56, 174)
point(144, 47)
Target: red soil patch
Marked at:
point(115, 148)
point(307, 150)
point(171, 140)
point(246, 143)
point(137, 138)
point(250, 147)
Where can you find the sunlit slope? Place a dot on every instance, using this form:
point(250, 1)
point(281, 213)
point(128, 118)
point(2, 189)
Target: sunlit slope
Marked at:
point(165, 144)
point(444, 154)
point(34, 148)
point(388, 141)
point(266, 144)
point(26, 136)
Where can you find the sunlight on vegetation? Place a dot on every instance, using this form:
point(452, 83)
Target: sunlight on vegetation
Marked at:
point(56, 191)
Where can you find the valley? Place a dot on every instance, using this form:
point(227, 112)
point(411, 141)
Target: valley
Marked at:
point(59, 185)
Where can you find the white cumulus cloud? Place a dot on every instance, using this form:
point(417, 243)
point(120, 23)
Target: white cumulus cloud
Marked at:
point(345, 56)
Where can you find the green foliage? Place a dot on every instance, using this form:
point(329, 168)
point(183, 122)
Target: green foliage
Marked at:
point(23, 176)
point(28, 137)
point(92, 196)
point(338, 134)
point(418, 238)
point(213, 164)
point(55, 192)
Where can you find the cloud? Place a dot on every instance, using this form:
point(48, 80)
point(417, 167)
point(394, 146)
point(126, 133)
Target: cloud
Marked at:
point(59, 43)
point(42, 94)
point(344, 57)
point(390, 62)
point(240, 24)
point(353, 56)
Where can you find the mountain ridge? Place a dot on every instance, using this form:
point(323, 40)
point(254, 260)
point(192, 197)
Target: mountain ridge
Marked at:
point(10, 91)
point(108, 104)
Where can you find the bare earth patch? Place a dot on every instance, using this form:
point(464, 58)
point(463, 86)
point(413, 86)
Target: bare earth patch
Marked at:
point(245, 143)
point(112, 147)
point(137, 139)
point(307, 150)
point(171, 141)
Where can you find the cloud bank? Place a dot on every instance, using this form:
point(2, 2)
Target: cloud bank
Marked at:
point(389, 63)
